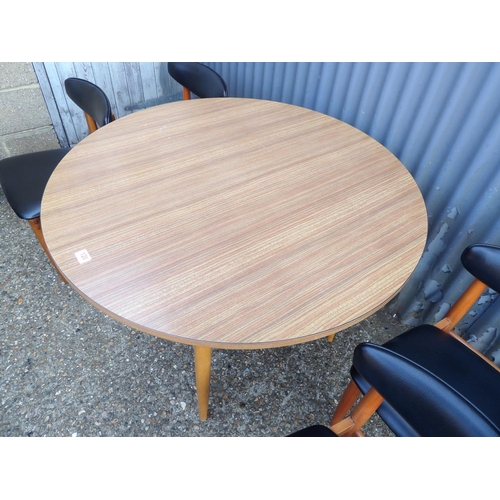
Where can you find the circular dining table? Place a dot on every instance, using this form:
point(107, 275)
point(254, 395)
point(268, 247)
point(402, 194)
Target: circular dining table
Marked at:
point(233, 223)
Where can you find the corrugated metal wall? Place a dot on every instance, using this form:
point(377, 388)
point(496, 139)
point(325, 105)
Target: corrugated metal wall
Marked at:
point(442, 121)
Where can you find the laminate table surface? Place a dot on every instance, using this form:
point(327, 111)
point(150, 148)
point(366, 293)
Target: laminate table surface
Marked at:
point(234, 223)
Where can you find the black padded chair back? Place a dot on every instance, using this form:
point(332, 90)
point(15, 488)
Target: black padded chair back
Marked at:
point(199, 79)
point(483, 262)
point(428, 381)
point(90, 98)
point(426, 402)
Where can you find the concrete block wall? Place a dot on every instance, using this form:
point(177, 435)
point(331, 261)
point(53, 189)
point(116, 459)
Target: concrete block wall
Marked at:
point(25, 124)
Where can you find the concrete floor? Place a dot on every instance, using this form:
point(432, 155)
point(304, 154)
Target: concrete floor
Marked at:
point(69, 370)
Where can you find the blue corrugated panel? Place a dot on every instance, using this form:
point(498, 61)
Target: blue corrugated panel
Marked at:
point(442, 121)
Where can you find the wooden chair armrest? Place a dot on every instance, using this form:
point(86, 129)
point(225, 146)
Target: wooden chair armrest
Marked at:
point(461, 306)
point(456, 313)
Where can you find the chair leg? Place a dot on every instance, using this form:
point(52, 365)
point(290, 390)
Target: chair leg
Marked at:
point(37, 229)
point(365, 409)
point(350, 396)
point(351, 426)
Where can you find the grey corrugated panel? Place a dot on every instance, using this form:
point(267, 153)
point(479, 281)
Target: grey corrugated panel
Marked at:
point(442, 121)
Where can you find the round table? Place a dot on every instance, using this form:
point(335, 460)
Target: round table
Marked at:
point(233, 223)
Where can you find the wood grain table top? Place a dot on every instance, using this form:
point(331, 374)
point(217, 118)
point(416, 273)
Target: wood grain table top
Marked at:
point(234, 223)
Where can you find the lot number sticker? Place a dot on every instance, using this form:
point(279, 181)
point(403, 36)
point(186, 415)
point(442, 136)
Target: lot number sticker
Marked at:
point(83, 256)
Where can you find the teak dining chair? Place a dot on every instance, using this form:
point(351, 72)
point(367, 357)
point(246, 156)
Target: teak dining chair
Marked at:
point(427, 381)
point(23, 177)
point(198, 79)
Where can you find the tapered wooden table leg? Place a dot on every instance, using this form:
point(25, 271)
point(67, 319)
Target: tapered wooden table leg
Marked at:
point(202, 361)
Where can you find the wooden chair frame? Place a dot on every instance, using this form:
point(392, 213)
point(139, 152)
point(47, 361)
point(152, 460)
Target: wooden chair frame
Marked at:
point(91, 123)
point(347, 424)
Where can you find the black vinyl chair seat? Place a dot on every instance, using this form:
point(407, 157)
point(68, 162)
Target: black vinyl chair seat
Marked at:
point(314, 431)
point(429, 369)
point(23, 179)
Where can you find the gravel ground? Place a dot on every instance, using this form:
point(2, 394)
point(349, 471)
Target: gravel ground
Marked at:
point(69, 370)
